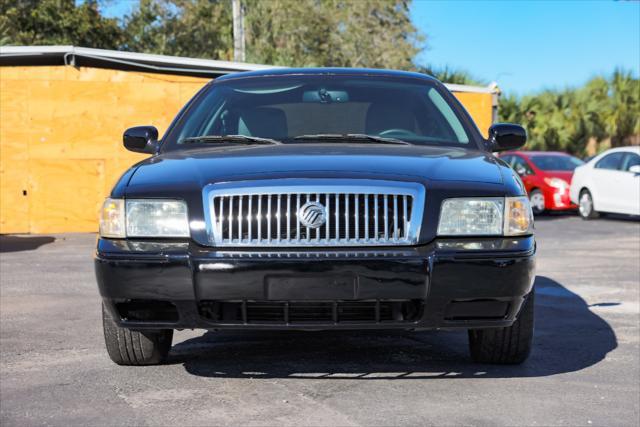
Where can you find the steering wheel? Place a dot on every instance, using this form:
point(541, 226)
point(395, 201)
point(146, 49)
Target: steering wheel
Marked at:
point(397, 132)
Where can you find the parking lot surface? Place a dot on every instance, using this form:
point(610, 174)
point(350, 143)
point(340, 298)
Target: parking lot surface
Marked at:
point(584, 369)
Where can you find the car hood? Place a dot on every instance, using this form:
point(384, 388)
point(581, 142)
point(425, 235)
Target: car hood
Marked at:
point(207, 165)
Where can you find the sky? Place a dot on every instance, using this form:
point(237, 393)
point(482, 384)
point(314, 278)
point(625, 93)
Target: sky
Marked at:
point(524, 46)
point(530, 46)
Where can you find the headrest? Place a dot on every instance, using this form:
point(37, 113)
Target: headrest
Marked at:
point(263, 122)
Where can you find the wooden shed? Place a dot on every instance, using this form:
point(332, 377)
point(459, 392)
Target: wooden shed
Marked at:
point(62, 113)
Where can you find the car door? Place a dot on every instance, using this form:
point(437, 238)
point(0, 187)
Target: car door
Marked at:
point(630, 184)
point(607, 194)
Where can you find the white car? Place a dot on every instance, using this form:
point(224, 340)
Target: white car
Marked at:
point(610, 182)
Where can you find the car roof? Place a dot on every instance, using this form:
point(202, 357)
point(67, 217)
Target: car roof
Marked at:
point(326, 71)
point(628, 149)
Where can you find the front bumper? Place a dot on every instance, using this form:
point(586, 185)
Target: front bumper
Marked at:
point(558, 200)
point(453, 283)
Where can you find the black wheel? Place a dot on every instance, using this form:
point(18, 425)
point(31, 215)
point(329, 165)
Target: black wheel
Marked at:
point(585, 206)
point(536, 198)
point(505, 346)
point(127, 347)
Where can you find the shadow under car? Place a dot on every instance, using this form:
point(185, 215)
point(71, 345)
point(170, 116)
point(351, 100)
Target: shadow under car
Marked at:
point(568, 337)
point(12, 243)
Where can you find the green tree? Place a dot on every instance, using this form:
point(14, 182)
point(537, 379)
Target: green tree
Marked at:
point(56, 22)
point(623, 118)
point(147, 29)
point(193, 28)
point(603, 110)
point(340, 33)
point(332, 33)
point(451, 75)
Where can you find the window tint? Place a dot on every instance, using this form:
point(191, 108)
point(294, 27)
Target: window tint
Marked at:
point(629, 160)
point(611, 161)
point(449, 115)
point(507, 159)
point(556, 163)
point(521, 166)
point(286, 107)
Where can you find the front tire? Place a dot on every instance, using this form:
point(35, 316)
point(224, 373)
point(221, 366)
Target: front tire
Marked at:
point(538, 205)
point(505, 346)
point(127, 347)
point(585, 206)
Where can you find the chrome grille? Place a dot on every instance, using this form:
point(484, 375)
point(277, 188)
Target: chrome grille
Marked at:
point(358, 212)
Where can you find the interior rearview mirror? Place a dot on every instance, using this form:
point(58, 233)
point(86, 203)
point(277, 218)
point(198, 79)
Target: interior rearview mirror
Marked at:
point(141, 139)
point(506, 136)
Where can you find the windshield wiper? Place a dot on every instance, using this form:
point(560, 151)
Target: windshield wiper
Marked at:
point(336, 137)
point(231, 138)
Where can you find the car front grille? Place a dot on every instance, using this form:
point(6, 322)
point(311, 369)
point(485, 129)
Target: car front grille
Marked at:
point(354, 213)
point(304, 312)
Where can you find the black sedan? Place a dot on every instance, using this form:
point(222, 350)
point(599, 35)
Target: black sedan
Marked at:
point(318, 199)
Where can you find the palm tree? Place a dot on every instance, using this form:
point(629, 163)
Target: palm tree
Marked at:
point(602, 110)
point(623, 118)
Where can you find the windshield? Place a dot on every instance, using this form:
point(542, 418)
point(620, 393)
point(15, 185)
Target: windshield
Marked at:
point(328, 108)
point(556, 163)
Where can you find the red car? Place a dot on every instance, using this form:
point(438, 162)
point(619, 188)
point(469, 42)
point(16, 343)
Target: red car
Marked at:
point(546, 176)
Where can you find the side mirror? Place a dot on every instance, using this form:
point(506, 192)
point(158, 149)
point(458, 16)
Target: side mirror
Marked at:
point(506, 136)
point(635, 169)
point(141, 139)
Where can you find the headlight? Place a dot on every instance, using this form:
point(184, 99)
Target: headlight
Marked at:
point(463, 217)
point(486, 216)
point(144, 218)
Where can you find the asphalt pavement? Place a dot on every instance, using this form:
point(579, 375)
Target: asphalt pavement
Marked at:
point(584, 369)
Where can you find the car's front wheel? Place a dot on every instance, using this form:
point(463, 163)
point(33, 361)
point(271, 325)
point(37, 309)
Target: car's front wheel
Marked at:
point(507, 346)
point(127, 347)
point(585, 205)
point(537, 202)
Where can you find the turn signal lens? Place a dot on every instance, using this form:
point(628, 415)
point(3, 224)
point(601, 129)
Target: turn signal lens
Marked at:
point(112, 222)
point(518, 217)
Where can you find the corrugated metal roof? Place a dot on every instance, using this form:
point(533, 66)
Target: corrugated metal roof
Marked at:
point(82, 56)
point(115, 59)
